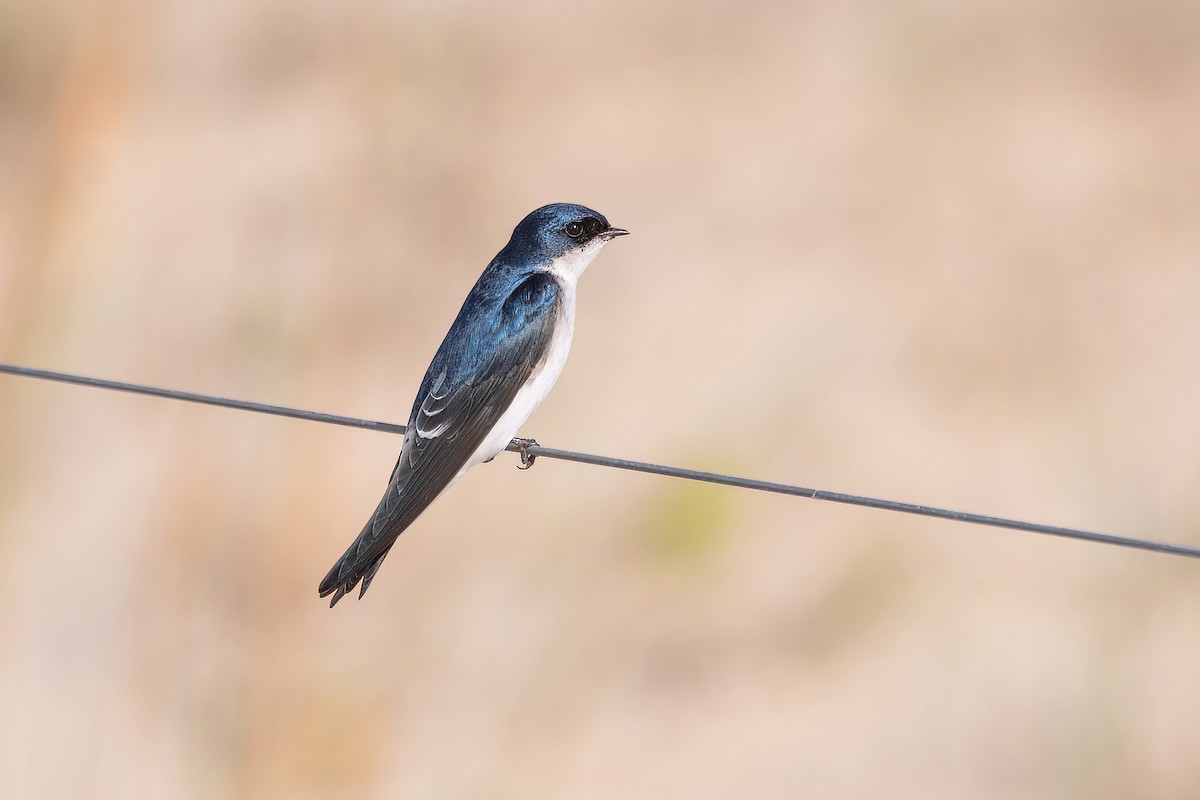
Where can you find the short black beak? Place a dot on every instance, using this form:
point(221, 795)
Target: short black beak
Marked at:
point(612, 233)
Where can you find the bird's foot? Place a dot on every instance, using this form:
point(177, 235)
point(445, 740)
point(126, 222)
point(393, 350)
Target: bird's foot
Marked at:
point(527, 457)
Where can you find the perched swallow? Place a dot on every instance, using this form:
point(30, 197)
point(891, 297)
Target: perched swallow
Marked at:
point(504, 351)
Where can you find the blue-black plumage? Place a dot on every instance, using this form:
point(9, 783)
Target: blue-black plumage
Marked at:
point(504, 351)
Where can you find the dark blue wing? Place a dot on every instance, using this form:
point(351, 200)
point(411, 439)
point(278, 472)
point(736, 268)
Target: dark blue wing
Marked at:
point(486, 358)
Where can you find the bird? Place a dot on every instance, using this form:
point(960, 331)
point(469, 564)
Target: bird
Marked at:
point(498, 361)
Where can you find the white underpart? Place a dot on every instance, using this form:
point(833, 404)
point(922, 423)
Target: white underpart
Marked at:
point(566, 270)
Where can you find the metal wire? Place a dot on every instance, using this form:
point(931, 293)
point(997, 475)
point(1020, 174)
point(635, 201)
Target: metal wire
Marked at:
point(625, 464)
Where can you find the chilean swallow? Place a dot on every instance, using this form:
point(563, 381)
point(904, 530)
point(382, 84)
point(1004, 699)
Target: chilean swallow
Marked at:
point(505, 350)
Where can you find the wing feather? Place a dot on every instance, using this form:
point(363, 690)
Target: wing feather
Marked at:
point(453, 417)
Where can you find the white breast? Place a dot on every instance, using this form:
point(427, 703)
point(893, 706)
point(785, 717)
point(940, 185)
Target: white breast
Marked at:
point(531, 395)
point(567, 271)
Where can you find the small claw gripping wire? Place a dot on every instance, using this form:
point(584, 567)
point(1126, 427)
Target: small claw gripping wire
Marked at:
point(527, 458)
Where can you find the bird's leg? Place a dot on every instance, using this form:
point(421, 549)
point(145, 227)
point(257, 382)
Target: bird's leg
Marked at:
point(527, 457)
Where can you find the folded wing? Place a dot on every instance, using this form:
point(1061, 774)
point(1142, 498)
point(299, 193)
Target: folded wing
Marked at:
point(480, 367)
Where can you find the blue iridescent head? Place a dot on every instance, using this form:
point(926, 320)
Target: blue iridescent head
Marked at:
point(563, 231)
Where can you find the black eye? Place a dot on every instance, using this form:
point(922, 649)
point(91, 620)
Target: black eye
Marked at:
point(574, 229)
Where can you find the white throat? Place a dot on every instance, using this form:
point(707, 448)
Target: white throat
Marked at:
point(567, 268)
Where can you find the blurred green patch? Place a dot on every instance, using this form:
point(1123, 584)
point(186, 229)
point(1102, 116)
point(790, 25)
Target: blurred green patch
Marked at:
point(686, 523)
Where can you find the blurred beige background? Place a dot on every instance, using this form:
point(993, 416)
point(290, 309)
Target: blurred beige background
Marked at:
point(937, 251)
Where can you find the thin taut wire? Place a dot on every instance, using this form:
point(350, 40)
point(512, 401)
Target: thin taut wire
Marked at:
point(621, 463)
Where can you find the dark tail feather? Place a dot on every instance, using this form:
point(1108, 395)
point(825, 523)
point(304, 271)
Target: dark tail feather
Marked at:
point(349, 570)
point(369, 575)
point(333, 580)
point(395, 512)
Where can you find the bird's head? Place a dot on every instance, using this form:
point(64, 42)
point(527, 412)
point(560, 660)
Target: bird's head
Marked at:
point(563, 236)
